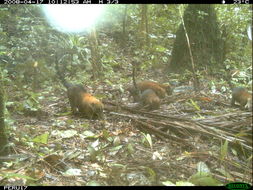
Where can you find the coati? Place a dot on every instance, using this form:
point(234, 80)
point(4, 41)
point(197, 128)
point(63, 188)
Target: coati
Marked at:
point(80, 100)
point(147, 98)
point(159, 89)
point(150, 100)
point(167, 88)
point(243, 97)
point(160, 92)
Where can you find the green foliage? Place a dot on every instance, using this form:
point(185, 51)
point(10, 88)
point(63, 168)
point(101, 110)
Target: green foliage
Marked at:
point(224, 150)
point(33, 40)
point(203, 177)
point(93, 183)
point(238, 46)
point(179, 183)
point(32, 101)
point(147, 140)
point(41, 139)
point(194, 105)
point(14, 175)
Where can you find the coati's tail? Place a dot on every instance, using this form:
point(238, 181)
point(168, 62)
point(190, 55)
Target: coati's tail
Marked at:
point(61, 77)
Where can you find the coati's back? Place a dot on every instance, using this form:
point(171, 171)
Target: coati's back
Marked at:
point(91, 106)
point(242, 96)
point(142, 86)
point(167, 88)
point(152, 85)
point(150, 99)
point(76, 88)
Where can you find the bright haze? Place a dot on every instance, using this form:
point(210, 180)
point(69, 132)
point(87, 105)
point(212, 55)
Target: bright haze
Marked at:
point(72, 18)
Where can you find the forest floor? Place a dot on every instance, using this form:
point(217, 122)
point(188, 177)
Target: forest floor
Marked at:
point(187, 134)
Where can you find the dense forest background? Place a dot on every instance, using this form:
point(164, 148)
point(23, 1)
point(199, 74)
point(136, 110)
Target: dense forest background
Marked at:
point(40, 131)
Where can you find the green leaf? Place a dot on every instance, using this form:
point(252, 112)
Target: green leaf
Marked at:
point(115, 150)
point(10, 104)
point(12, 175)
point(130, 148)
point(148, 139)
point(68, 133)
point(234, 152)
point(203, 179)
point(73, 172)
point(64, 113)
point(85, 125)
point(168, 183)
point(105, 134)
point(93, 183)
point(89, 134)
point(93, 153)
point(70, 121)
point(195, 105)
point(41, 138)
point(202, 167)
point(116, 165)
point(95, 144)
point(160, 48)
point(116, 141)
point(152, 174)
point(225, 173)
point(224, 150)
point(184, 183)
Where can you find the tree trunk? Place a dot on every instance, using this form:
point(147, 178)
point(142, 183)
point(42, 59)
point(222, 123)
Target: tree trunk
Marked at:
point(146, 25)
point(144, 39)
point(205, 40)
point(193, 67)
point(124, 34)
point(4, 149)
point(95, 55)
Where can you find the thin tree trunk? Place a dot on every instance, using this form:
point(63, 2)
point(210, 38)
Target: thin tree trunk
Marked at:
point(195, 77)
point(124, 25)
point(4, 149)
point(95, 55)
point(146, 24)
point(143, 30)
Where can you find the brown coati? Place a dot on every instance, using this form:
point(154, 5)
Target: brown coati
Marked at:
point(142, 86)
point(150, 100)
point(243, 97)
point(166, 87)
point(147, 98)
point(159, 89)
point(80, 100)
